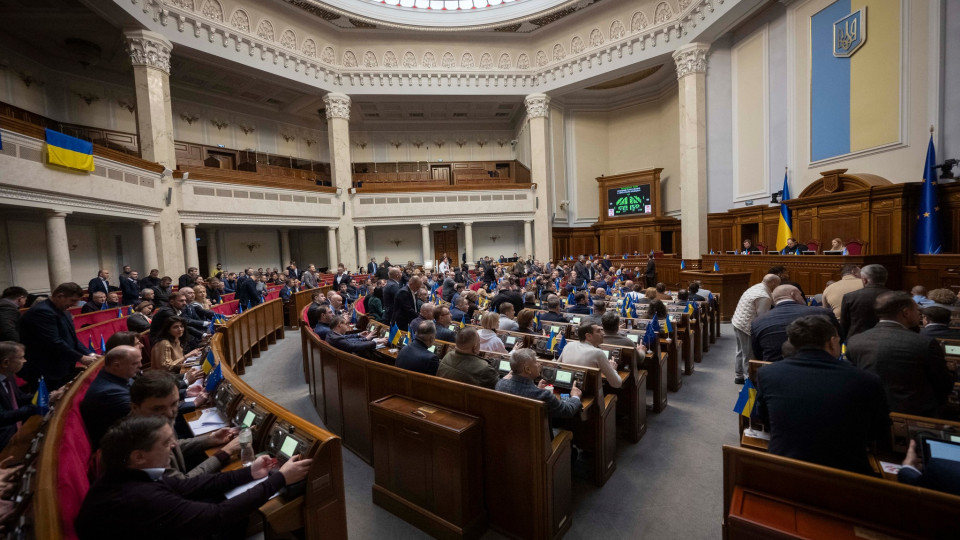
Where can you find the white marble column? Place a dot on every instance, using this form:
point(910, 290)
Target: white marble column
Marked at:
point(58, 248)
point(190, 252)
point(106, 250)
point(332, 249)
point(148, 228)
point(212, 256)
point(338, 132)
point(284, 248)
point(691, 61)
point(150, 57)
point(468, 238)
point(527, 238)
point(363, 257)
point(425, 237)
point(538, 114)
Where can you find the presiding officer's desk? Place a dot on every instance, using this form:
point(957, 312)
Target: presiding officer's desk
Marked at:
point(811, 272)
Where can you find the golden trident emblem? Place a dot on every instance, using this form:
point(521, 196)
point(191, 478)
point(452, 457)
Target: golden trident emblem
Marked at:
point(848, 34)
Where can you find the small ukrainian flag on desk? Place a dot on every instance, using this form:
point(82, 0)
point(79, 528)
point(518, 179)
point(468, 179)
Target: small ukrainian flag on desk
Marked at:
point(68, 151)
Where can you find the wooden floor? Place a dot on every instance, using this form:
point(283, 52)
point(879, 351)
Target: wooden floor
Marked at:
point(669, 485)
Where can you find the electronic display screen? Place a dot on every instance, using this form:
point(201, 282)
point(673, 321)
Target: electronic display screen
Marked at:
point(554, 329)
point(504, 365)
point(575, 320)
point(564, 377)
point(453, 327)
point(511, 340)
point(249, 419)
point(607, 354)
point(944, 450)
point(633, 337)
point(629, 201)
point(952, 349)
point(432, 348)
point(289, 446)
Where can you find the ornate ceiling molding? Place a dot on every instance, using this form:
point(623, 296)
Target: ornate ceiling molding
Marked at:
point(353, 67)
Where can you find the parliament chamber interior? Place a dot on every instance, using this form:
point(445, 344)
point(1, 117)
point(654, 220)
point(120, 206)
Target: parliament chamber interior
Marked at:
point(531, 269)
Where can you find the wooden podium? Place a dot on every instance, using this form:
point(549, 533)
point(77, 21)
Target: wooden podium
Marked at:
point(730, 286)
point(427, 466)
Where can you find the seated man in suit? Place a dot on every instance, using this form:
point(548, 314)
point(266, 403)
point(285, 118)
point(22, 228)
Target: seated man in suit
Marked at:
point(524, 369)
point(820, 409)
point(100, 283)
point(417, 356)
point(108, 398)
point(580, 307)
point(587, 353)
point(189, 279)
point(155, 393)
point(151, 280)
point(507, 320)
point(459, 310)
point(361, 344)
point(178, 301)
point(768, 331)
point(15, 404)
point(936, 323)
point(193, 310)
point(938, 474)
point(694, 290)
point(97, 303)
point(464, 364)
point(912, 367)
point(792, 248)
point(324, 318)
point(133, 497)
point(426, 314)
point(47, 331)
point(443, 319)
point(553, 310)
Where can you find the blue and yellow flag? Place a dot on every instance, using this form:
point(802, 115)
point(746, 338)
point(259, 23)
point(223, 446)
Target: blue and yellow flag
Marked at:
point(785, 228)
point(463, 321)
point(746, 399)
point(683, 264)
point(928, 214)
point(669, 325)
point(538, 325)
point(68, 151)
point(394, 336)
point(119, 313)
point(553, 340)
point(42, 397)
point(103, 344)
point(716, 266)
point(208, 363)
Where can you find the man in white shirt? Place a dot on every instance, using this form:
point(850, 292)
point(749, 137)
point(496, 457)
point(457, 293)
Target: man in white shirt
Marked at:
point(755, 301)
point(587, 353)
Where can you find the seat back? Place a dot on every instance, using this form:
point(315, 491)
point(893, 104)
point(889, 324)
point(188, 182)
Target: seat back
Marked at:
point(855, 247)
point(813, 245)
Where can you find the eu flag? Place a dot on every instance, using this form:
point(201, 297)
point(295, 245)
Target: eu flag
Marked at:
point(213, 379)
point(42, 397)
point(928, 215)
point(563, 343)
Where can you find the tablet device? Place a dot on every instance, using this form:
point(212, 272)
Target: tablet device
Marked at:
point(289, 446)
point(952, 349)
point(511, 340)
point(833, 252)
point(249, 419)
point(941, 449)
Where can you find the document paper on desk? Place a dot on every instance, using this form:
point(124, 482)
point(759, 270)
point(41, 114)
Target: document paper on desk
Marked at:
point(244, 488)
point(210, 420)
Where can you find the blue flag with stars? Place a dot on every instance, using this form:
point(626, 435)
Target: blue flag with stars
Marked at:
point(928, 216)
point(213, 379)
point(563, 343)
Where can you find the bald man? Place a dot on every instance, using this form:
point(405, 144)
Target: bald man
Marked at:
point(426, 314)
point(755, 301)
point(464, 364)
point(768, 332)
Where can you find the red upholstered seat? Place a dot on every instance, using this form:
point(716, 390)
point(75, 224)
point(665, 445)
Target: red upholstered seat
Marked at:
point(476, 286)
point(855, 247)
point(813, 245)
point(73, 463)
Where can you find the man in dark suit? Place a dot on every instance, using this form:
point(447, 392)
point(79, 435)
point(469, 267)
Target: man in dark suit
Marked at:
point(911, 366)
point(936, 323)
point(130, 288)
point(938, 474)
point(150, 281)
point(108, 398)
point(448, 287)
point(857, 312)
point(650, 273)
point(293, 272)
point(15, 405)
point(372, 266)
point(444, 318)
point(11, 301)
point(383, 271)
point(189, 279)
point(693, 293)
point(508, 293)
point(580, 306)
point(342, 277)
point(178, 301)
point(489, 273)
point(417, 356)
point(553, 310)
point(247, 292)
point(47, 331)
point(98, 302)
point(134, 498)
point(360, 344)
point(768, 332)
point(99, 283)
point(405, 304)
point(390, 291)
point(820, 409)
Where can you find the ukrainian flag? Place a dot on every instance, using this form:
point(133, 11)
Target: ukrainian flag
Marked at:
point(394, 336)
point(553, 340)
point(208, 363)
point(746, 399)
point(68, 151)
point(785, 228)
point(854, 81)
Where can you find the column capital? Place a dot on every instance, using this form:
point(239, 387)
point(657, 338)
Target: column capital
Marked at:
point(189, 225)
point(148, 49)
point(338, 105)
point(56, 214)
point(148, 223)
point(360, 227)
point(424, 226)
point(332, 228)
point(467, 223)
point(691, 58)
point(528, 220)
point(538, 105)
